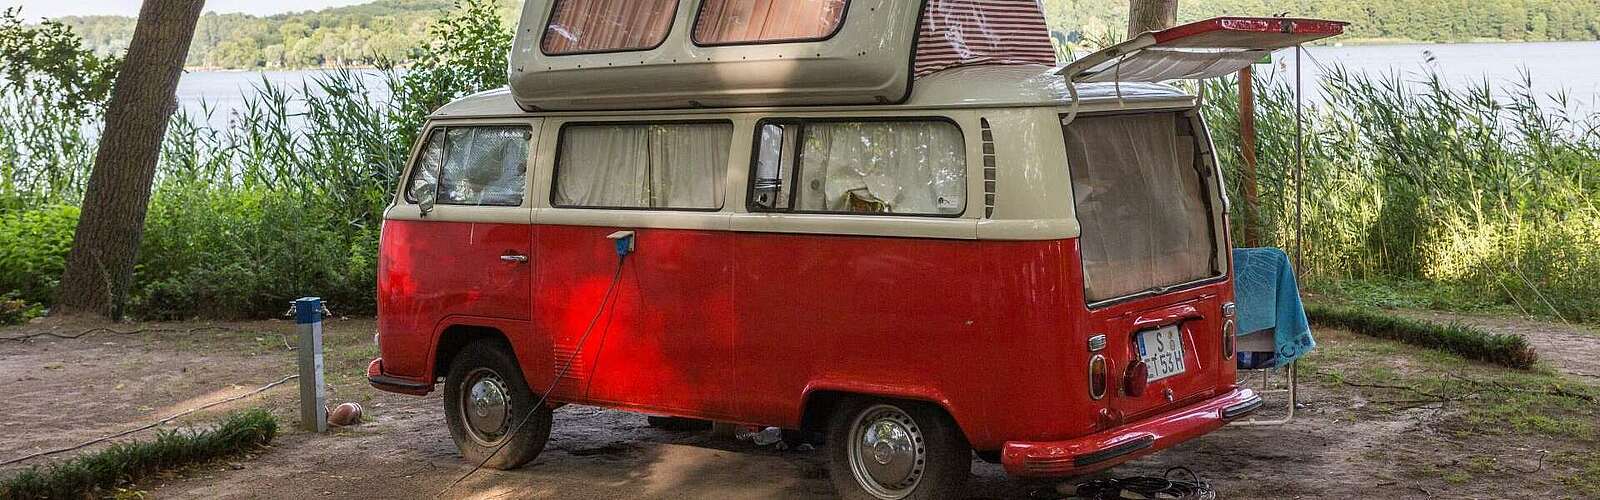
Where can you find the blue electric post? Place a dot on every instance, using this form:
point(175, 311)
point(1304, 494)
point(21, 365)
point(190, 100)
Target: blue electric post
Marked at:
point(313, 397)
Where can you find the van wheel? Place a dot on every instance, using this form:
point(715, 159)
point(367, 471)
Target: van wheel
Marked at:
point(485, 397)
point(896, 450)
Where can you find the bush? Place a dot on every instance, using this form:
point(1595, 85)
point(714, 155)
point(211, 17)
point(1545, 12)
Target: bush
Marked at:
point(247, 253)
point(92, 474)
point(33, 250)
point(1468, 342)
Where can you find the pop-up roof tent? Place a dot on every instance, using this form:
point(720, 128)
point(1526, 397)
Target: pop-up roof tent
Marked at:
point(659, 54)
point(645, 54)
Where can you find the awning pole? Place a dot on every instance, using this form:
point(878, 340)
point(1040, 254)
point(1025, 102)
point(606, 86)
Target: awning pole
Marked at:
point(1299, 161)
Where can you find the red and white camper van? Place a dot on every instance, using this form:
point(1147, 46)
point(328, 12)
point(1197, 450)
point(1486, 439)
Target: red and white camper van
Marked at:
point(919, 245)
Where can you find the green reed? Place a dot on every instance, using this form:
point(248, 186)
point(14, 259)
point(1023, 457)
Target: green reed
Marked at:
point(1491, 191)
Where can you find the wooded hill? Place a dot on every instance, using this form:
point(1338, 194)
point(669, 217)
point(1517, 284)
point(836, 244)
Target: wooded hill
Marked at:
point(392, 29)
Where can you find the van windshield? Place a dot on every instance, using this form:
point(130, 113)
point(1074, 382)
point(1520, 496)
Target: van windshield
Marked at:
point(1141, 192)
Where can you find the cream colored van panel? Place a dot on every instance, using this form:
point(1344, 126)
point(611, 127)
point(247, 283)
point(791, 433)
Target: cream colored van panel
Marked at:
point(868, 61)
point(1032, 184)
point(857, 225)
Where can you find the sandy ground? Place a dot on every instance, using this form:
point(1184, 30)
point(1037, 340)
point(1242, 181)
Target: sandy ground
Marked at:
point(1572, 349)
point(64, 391)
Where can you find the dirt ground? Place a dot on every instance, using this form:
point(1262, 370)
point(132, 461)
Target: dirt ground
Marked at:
point(1347, 441)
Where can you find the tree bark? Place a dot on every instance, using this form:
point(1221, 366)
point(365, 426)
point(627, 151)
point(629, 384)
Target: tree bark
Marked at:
point(111, 223)
point(1151, 15)
point(1247, 144)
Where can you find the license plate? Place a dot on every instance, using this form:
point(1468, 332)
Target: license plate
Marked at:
point(1162, 350)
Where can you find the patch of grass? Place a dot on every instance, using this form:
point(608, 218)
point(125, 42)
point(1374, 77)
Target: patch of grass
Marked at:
point(1585, 476)
point(15, 311)
point(1470, 342)
point(102, 472)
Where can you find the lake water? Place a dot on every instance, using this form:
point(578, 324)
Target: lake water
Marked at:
point(1573, 67)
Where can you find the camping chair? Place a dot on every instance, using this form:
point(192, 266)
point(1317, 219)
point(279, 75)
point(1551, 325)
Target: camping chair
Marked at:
point(1261, 341)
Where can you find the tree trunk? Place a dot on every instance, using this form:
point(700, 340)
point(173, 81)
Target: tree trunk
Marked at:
point(111, 224)
point(1151, 15)
point(1247, 144)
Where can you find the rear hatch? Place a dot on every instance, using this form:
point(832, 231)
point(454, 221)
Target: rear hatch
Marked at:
point(1153, 242)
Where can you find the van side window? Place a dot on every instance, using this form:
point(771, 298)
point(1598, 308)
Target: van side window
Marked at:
point(425, 172)
point(659, 165)
point(902, 167)
point(728, 22)
point(593, 26)
point(472, 166)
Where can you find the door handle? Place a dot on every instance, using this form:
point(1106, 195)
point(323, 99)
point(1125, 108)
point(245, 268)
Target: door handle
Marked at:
point(518, 258)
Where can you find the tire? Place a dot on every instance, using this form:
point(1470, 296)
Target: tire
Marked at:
point(859, 471)
point(488, 368)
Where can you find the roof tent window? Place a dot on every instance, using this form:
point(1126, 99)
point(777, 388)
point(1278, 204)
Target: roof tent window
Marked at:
point(1145, 214)
point(968, 33)
point(591, 26)
point(676, 165)
point(728, 22)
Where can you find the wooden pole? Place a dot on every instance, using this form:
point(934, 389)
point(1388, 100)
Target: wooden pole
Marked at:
point(1247, 141)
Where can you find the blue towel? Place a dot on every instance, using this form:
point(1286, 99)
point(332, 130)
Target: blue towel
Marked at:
point(1268, 297)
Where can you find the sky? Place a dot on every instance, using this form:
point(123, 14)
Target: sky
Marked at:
point(34, 9)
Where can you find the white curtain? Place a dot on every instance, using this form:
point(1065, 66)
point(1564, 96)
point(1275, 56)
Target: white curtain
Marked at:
point(643, 166)
point(1140, 203)
point(887, 167)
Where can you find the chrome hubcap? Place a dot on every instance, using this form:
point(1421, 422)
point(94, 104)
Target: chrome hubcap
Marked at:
point(485, 408)
point(887, 453)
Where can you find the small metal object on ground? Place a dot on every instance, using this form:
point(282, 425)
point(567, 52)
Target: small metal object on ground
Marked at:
point(313, 397)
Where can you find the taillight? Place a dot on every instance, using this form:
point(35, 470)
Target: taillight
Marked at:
point(1138, 376)
point(1097, 376)
point(1229, 337)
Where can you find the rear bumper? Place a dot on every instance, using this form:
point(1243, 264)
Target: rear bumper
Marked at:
point(387, 383)
point(1108, 448)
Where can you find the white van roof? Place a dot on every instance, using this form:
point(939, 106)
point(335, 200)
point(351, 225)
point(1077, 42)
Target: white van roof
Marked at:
point(962, 87)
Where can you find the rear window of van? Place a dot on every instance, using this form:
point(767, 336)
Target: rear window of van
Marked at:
point(1142, 203)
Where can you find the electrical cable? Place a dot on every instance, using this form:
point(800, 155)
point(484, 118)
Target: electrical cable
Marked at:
point(1148, 487)
point(102, 329)
point(153, 424)
point(621, 258)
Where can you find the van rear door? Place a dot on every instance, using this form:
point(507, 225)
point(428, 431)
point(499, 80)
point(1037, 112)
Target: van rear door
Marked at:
point(1204, 49)
point(1153, 253)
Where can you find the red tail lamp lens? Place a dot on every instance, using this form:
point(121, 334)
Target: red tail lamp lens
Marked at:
point(1134, 382)
point(1097, 376)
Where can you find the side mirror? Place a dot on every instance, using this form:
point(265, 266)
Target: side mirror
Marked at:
point(426, 198)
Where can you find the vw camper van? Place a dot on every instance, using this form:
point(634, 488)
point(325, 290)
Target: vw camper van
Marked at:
point(893, 223)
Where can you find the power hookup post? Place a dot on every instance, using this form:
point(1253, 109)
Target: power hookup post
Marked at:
point(308, 313)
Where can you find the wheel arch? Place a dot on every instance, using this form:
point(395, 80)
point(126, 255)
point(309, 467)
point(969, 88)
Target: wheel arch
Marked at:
point(453, 338)
point(819, 404)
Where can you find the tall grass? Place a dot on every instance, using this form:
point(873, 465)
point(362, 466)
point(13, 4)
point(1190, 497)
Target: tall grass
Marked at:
point(282, 200)
point(1490, 191)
